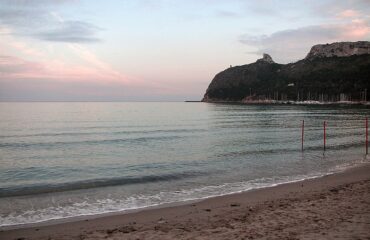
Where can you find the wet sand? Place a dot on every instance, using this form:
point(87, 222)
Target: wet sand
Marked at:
point(331, 207)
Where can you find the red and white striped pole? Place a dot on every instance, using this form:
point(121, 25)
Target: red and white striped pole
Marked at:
point(302, 138)
point(367, 135)
point(324, 135)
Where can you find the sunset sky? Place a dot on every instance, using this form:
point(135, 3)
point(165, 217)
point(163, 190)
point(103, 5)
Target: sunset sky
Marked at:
point(155, 50)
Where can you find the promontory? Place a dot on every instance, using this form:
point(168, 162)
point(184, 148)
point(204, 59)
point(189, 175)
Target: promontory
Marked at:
point(336, 72)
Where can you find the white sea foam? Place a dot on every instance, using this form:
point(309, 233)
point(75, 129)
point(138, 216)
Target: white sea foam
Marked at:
point(136, 202)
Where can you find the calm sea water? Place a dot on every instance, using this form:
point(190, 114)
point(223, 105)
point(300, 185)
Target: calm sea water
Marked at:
point(62, 160)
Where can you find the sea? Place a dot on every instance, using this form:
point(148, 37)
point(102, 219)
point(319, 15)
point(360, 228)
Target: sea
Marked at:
point(61, 161)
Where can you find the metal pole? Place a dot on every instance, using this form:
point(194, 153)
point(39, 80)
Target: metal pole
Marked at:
point(367, 135)
point(324, 135)
point(365, 94)
point(302, 139)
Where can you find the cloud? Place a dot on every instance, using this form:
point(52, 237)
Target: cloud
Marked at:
point(337, 21)
point(39, 19)
point(10, 65)
point(87, 56)
point(23, 62)
point(13, 68)
point(340, 9)
point(22, 80)
point(293, 44)
point(70, 31)
point(348, 13)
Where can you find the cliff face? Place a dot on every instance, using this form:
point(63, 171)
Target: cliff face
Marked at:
point(331, 72)
point(339, 49)
point(235, 83)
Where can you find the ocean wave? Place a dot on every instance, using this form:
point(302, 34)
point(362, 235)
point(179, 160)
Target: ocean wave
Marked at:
point(91, 183)
point(89, 142)
point(98, 207)
point(57, 134)
point(109, 206)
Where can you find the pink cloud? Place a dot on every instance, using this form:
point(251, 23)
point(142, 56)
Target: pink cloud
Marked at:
point(89, 75)
point(15, 64)
point(294, 44)
point(24, 68)
point(13, 67)
point(91, 58)
point(358, 29)
point(348, 13)
point(16, 68)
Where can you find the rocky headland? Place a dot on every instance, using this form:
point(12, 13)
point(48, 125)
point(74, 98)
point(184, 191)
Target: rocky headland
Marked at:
point(336, 72)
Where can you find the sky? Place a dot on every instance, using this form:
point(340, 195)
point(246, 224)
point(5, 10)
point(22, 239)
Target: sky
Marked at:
point(156, 50)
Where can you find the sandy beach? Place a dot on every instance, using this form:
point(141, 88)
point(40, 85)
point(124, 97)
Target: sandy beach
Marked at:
point(336, 206)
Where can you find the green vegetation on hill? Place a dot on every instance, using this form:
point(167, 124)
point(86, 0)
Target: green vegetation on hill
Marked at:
point(321, 79)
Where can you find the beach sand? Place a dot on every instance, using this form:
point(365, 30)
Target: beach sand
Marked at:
point(336, 206)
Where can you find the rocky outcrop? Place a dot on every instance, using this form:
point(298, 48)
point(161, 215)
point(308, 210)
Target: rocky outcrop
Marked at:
point(330, 72)
point(233, 84)
point(266, 58)
point(339, 49)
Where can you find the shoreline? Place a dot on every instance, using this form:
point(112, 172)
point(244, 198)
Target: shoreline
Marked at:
point(166, 219)
point(289, 102)
point(84, 217)
point(57, 221)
